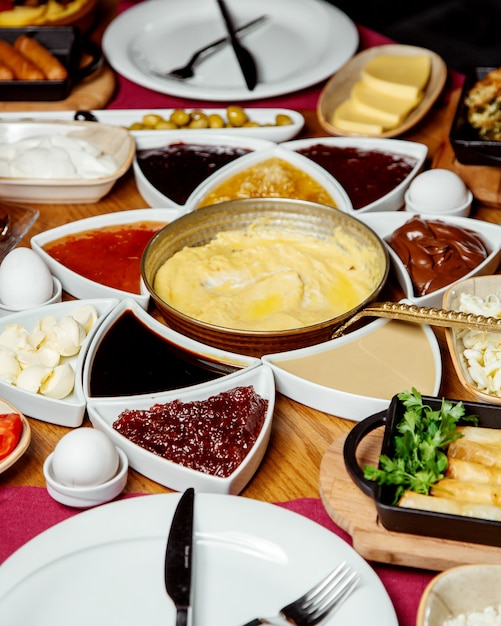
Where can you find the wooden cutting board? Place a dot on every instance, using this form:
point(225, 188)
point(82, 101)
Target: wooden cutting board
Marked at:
point(356, 514)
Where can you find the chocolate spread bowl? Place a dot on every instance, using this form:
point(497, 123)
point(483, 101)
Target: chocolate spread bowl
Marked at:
point(201, 226)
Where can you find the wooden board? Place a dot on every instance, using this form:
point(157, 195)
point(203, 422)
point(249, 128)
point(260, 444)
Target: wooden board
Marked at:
point(483, 180)
point(356, 513)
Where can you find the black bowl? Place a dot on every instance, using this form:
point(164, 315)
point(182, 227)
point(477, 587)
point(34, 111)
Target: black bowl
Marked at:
point(412, 521)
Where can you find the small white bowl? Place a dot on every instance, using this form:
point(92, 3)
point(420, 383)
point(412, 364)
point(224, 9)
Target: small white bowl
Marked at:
point(156, 198)
point(317, 173)
point(393, 200)
point(24, 441)
point(76, 284)
point(384, 224)
point(462, 210)
point(113, 140)
point(70, 410)
point(86, 497)
point(357, 374)
point(459, 591)
point(103, 412)
point(57, 294)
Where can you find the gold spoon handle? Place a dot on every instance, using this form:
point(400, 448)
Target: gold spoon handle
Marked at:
point(423, 315)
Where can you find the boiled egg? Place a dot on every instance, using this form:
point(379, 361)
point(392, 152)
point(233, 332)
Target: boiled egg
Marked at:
point(437, 191)
point(84, 458)
point(25, 280)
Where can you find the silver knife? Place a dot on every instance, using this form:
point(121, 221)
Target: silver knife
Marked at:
point(244, 57)
point(178, 558)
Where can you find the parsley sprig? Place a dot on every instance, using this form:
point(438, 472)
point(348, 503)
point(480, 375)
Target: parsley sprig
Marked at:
point(420, 457)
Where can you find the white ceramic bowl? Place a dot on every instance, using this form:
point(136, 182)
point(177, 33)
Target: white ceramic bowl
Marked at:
point(357, 374)
point(57, 293)
point(483, 286)
point(460, 590)
point(103, 413)
point(384, 224)
point(86, 497)
point(224, 364)
point(76, 284)
point(156, 198)
point(317, 173)
point(24, 440)
point(70, 410)
point(113, 140)
point(393, 200)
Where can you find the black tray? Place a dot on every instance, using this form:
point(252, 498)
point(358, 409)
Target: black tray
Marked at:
point(67, 45)
point(417, 522)
point(468, 146)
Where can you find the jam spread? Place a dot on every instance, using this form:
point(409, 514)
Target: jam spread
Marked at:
point(212, 436)
point(177, 169)
point(435, 253)
point(366, 175)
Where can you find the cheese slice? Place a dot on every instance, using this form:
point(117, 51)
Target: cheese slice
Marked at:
point(347, 116)
point(390, 109)
point(403, 76)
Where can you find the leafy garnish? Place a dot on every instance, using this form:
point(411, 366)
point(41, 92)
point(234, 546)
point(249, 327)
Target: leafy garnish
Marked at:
point(420, 457)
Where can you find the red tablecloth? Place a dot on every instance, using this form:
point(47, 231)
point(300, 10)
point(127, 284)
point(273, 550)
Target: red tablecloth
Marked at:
point(27, 511)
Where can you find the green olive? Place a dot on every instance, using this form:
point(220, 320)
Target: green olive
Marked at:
point(136, 126)
point(236, 115)
point(199, 122)
point(152, 119)
point(216, 121)
point(180, 117)
point(283, 120)
point(166, 125)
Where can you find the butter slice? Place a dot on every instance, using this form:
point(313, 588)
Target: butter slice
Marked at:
point(389, 109)
point(349, 117)
point(403, 76)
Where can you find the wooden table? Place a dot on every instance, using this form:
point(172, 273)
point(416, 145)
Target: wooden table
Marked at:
point(300, 435)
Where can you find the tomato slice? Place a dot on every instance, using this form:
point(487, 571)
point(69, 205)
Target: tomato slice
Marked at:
point(11, 427)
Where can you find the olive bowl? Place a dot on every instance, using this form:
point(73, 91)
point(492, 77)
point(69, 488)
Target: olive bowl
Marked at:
point(288, 215)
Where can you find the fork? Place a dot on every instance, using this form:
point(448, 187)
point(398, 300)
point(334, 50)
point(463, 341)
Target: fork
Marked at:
point(187, 71)
point(312, 607)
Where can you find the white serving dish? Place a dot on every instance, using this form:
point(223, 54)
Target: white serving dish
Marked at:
point(319, 174)
point(384, 224)
point(115, 141)
point(76, 284)
point(234, 364)
point(126, 117)
point(150, 193)
point(86, 497)
point(24, 441)
point(103, 413)
point(70, 410)
point(393, 200)
point(459, 591)
point(57, 293)
point(366, 384)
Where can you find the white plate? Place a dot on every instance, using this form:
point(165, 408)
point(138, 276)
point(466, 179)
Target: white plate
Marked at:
point(302, 43)
point(247, 562)
point(126, 117)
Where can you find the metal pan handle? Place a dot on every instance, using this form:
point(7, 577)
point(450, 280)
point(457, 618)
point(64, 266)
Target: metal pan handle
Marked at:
point(355, 436)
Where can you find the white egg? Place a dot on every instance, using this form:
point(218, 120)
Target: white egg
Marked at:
point(25, 280)
point(438, 190)
point(83, 458)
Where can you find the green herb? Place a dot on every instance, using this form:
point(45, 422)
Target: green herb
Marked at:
point(420, 458)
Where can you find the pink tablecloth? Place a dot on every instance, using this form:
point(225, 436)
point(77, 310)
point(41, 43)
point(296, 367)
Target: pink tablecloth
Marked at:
point(27, 511)
point(132, 96)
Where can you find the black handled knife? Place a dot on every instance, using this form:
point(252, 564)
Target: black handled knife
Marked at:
point(178, 558)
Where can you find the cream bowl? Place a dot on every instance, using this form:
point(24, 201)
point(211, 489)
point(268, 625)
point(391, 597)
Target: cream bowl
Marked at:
point(70, 410)
point(202, 225)
point(390, 201)
point(385, 224)
point(486, 287)
point(460, 590)
point(112, 140)
point(152, 195)
point(104, 412)
point(86, 497)
point(78, 285)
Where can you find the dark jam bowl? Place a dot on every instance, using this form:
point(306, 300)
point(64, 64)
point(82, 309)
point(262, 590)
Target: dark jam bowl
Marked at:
point(200, 226)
